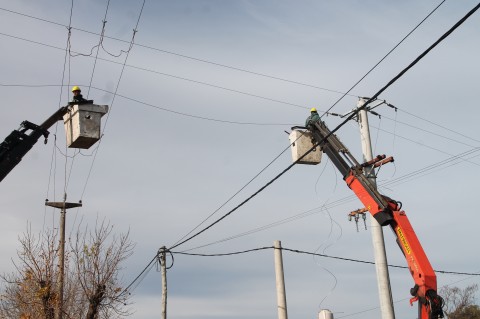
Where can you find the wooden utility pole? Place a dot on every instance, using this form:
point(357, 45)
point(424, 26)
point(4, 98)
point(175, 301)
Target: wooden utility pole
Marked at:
point(162, 254)
point(63, 206)
point(280, 281)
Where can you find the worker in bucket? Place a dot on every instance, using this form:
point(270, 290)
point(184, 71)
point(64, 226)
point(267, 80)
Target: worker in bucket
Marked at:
point(313, 118)
point(77, 95)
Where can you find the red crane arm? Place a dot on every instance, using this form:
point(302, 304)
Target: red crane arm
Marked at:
point(388, 213)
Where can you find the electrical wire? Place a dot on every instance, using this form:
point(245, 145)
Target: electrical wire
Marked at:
point(411, 65)
point(274, 100)
point(145, 271)
point(242, 188)
point(195, 116)
point(332, 221)
point(113, 100)
point(423, 145)
point(236, 193)
point(348, 199)
point(373, 98)
point(304, 252)
point(98, 46)
point(160, 108)
point(185, 56)
point(241, 69)
point(298, 216)
point(439, 125)
point(381, 60)
point(170, 75)
point(53, 163)
point(425, 131)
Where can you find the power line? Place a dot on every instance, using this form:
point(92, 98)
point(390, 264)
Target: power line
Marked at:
point(184, 56)
point(421, 172)
point(399, 180)
point(439, 125)
point(148, 267)
point(53, 162)
point(243, 70)
point(113, 99)
point(317, 255)
point(168, 75)
point(427, 131)
point(163, 108)
point(339, 126)
point(98, 46)
point(381, 60)
point(270, 124)
point(423, 145)
point(242, 188)
point(373, 98)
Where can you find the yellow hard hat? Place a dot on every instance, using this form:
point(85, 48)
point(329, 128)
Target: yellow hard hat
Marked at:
point(313, 109)
point(75, 88)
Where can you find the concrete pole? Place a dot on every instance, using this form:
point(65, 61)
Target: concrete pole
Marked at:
point(63, 206)
point(61, 264)
point(383, 278)
point(280, 281)
point(163, 265)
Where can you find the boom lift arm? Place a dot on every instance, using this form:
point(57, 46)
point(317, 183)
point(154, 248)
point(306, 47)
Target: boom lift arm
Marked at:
point(20, 141)
point(388, 213)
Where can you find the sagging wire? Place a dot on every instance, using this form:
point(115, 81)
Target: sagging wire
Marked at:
point(332, 221)
point(121, 51)
point(104, 21)
point(320, 175)
point(138, 279)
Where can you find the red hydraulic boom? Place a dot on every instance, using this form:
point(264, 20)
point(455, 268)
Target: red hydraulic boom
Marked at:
point(387, 212)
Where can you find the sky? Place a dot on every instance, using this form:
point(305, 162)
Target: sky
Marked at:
point(200, 105)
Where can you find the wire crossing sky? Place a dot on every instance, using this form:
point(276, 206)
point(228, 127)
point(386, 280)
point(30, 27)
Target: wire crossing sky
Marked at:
point(202, 105)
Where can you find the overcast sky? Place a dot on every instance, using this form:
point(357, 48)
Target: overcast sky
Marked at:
point(177, 145)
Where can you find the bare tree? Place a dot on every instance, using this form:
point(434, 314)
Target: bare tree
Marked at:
point(30, 291)
point(97, 256)
point(460, 303)
point(92, 285)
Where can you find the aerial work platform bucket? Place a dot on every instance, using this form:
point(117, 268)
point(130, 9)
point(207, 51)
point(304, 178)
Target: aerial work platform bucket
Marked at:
point(82, 124)
point(301, 142)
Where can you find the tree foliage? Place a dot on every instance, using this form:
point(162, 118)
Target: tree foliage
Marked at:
point(92, 288)
point(460, 303)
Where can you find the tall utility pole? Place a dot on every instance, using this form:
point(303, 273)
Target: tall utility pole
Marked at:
point(280, 281)
point(163, 252)
point(383, 278)
point(63, 206)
